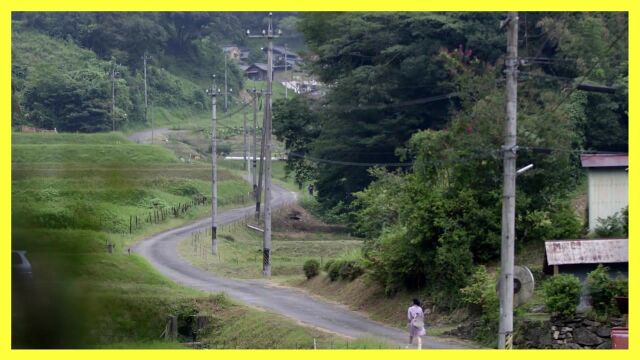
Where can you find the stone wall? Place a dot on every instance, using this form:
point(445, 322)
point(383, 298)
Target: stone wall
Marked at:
point(575, 333)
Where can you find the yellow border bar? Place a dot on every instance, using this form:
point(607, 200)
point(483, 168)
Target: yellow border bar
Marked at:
point(300, 5)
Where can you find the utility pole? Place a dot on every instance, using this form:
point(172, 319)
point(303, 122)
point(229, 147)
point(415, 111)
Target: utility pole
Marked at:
point(261, 166)
point(213, 92)
point(113, 95)
point(225, 83)
point(246, 160)
point(286, 88)
point(146, 101)
point(255, 145)
point(505, 331)
point(266, 243)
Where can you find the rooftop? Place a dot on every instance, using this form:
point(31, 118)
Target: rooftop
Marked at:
point(604, 160)
point(596, 251)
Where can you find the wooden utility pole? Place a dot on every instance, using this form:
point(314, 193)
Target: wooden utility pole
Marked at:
point(213, 92)
point(266, 243)
point(505, 331)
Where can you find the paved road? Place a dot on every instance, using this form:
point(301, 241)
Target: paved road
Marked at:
point(145, 136)
point(161, 251)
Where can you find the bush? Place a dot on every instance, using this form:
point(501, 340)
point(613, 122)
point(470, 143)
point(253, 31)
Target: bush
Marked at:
point(603, 290)
point(334, 270)
point(311, 268)
point(616, 225)
point(350, 270)
point(327, 265)
point(344, 269)
point(562, 293)
point(481, 298)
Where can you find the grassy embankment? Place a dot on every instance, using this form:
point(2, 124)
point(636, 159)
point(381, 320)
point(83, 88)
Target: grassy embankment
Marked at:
point(72, 194)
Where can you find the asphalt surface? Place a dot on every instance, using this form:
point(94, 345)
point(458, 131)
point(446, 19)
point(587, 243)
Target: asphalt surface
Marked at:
point(161, 250)
point(144, 136)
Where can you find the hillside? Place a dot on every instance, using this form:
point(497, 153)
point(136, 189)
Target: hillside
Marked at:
point(62, 66)
point(67, 214)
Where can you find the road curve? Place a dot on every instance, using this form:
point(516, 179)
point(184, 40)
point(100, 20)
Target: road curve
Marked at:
point(161, 251)
point(145, 136)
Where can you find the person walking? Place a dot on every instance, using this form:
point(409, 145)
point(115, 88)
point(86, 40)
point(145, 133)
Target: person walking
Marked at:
point(416, 323)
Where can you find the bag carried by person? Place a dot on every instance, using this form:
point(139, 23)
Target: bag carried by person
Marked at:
point(417, 322)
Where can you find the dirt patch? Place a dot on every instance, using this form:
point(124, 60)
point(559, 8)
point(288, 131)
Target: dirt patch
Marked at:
point(294, 218)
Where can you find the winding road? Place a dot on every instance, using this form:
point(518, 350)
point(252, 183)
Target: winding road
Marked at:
point(161, 250)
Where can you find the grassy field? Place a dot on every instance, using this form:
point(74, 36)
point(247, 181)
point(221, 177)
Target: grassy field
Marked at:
point(241, 247)
point(64, 212)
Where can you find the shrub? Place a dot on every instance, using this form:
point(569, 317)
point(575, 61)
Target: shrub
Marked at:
point(334, 270)
point(311, 268)
point(562, 293)
point(350, 270)
point(481, 297)
point(327, 265)
point(344, 269)
point(603, 290)
point(616, 225)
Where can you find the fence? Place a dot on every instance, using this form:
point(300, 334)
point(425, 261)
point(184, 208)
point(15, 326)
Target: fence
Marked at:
point(160, 214)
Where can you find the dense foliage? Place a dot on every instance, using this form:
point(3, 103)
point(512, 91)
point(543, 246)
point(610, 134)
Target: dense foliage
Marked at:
point(614, 226)
point(427, 90)
point(562, 294)
point(481, 298)
point(62, 63)
point(603, 290)
point(311, 268)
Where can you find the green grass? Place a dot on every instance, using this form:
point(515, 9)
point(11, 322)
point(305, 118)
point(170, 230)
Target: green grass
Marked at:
point(33, 52)
point(64, 213)
point(112, 138)
point(240, 249)
point(82, 153)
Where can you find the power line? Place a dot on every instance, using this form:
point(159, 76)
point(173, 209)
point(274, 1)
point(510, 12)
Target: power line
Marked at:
point(590, 70)
point(347, 163)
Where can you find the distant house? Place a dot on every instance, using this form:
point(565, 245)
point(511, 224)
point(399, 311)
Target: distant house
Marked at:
point(244, 54)
point(279, 55)
point(256, 71)
point(232, 52)
point(608, 185)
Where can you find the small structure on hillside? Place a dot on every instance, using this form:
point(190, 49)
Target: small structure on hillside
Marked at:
point(31, 129)
point(579, 257)
point(233, 52)
point(256, 71)
point(608, 185)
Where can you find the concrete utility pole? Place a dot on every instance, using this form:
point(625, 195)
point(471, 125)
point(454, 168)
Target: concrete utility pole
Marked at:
point(286, 88)
point(261, 166)
point(246, 160)
point(505, 335)
point(225, 83)
point(255, 144)
point(213, 92)
point(113, 95)
point(146, 102)
point(266, 243)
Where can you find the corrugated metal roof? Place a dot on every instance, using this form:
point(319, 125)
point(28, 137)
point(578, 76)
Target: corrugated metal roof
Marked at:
point(604, 160)
point(597, 251)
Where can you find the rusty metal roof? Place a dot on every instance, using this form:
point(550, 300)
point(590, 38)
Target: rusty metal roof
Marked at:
point(604, 160)
point(597, 251)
